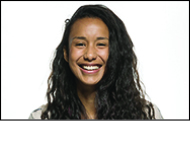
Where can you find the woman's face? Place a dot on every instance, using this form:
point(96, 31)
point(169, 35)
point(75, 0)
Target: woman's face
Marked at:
point(88, 50)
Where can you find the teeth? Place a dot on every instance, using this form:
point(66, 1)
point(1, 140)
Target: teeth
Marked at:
point(90, 67)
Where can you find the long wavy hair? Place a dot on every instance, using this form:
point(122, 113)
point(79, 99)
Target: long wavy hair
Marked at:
point(119, 93)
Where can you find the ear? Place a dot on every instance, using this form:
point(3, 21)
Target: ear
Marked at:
point(65, 54)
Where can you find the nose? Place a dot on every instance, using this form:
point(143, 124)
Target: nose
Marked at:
point(90, 53)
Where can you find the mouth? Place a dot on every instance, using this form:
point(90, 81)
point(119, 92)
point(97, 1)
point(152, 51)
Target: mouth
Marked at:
point(90, 66)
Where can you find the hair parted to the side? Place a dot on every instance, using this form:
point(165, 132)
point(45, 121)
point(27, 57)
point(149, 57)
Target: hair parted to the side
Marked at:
point(119, 94)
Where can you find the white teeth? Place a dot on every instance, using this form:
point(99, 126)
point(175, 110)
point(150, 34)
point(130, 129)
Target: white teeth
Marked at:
point(90, 67)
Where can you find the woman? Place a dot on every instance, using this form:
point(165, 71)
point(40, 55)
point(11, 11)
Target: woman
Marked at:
point(94, 74)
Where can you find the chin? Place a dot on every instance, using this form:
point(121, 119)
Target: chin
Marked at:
point(90, 83)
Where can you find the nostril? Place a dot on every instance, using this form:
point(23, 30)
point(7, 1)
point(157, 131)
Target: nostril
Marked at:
point(90, 56)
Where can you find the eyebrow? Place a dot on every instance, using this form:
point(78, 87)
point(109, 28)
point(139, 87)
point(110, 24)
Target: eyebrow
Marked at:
point(84, 38)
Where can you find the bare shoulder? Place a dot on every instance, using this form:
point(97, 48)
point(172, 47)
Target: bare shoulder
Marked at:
point(36, 114)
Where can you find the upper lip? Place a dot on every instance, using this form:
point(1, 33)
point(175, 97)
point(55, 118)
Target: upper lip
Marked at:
point(89, 64)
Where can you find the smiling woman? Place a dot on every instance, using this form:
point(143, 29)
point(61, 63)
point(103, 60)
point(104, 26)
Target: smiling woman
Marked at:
point(94, 73)
point(89, 50)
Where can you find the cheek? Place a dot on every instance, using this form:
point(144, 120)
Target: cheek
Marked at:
point(74, 55)
point(104, 54)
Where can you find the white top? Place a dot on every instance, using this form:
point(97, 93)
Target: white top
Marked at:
point(36, 114)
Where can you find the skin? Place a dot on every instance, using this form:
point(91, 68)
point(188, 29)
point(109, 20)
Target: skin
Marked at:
point(88, 44)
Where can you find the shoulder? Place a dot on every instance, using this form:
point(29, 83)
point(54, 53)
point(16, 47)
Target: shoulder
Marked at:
point(36, 114)
point(157, 112)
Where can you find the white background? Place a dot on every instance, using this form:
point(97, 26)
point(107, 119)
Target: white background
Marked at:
point(32, 30)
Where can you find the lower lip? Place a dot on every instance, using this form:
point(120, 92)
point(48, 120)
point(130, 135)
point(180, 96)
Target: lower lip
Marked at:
point(91, 71)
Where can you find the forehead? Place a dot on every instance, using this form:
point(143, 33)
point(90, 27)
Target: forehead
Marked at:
point(89, 27)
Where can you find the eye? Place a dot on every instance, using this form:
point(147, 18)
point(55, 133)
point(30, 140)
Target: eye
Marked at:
point(80, 44)
point(101, 44)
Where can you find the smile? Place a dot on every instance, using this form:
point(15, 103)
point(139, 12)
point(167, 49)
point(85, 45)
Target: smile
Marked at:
point(90, 69)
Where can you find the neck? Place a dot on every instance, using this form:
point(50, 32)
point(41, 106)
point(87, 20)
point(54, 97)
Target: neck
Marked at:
point(87, 96)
